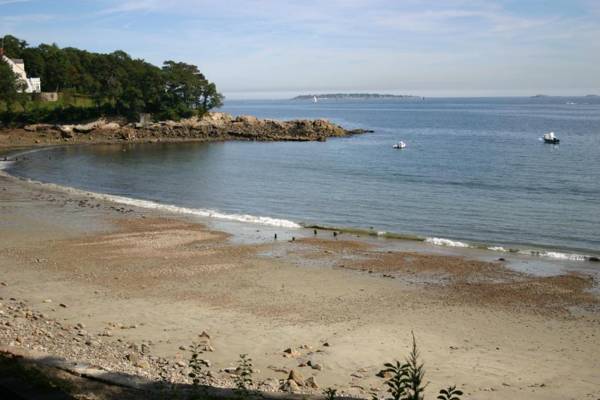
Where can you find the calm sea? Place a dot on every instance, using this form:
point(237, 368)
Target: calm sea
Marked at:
point(474, 171)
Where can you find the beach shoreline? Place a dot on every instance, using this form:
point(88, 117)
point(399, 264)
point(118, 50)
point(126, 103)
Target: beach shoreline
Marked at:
point(541, 256)
point(492, 330)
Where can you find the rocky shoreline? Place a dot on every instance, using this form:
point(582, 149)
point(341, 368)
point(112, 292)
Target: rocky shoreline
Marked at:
point(211, 127)
point(24, 328)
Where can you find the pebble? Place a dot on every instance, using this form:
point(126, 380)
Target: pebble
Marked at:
point(290, 386)
point(311, 382)
point(204, 335)
point(289, 352)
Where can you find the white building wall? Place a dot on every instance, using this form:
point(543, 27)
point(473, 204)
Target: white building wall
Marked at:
point(34, 85)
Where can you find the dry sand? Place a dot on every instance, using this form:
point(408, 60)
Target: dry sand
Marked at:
point(347, 304)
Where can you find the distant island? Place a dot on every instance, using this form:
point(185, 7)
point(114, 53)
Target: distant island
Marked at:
point(352, 96)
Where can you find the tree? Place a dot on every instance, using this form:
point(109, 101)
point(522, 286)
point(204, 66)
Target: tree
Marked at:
point(9, 84)
point(13, 47)
point(187, 88)
point(211, 98)
point(56, 68)
point(116, 82)
point(184, 84)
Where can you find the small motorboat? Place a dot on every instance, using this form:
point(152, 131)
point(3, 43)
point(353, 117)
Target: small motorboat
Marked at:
point(400, 145)
point(550, 138)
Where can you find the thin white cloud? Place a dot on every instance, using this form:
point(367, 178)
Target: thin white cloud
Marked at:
point(346, 44)
point(26, 18)
point(7, 2)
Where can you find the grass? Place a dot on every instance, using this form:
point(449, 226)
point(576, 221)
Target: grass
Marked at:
point(70, 107)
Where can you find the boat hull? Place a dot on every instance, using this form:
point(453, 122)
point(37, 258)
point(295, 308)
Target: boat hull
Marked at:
point(552, 141)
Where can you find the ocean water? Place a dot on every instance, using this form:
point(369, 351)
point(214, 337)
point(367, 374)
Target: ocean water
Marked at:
point(475, 172)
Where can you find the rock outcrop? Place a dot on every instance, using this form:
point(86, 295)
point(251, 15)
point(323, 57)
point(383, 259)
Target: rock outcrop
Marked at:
point(212, 127)
point(247, 127)
point(219, 126)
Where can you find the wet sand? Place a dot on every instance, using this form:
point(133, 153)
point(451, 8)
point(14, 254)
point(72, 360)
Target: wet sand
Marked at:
point(348, 304)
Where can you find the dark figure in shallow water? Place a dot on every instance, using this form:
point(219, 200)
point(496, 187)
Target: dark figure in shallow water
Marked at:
point(315, 232)
point(335, 234)
point(275, 237)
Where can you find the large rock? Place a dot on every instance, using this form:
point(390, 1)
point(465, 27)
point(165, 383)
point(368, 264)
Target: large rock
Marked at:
point(66, 131)
point(296, 377)
point(110, 126)
point(37, 127)
point(290, 386)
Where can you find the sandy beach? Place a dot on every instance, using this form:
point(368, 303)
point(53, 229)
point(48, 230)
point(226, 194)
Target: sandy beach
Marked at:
point(113, 280)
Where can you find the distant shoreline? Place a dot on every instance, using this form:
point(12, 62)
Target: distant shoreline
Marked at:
point(359, 96)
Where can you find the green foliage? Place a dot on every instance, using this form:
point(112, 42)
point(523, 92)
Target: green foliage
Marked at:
point(14, 46)
point(9, 84)
point(125, 85)
point(330, 393)
point(243, 379)
point(197, 365)
point(416, 373)
point(405, 380)
point(452, 393)
point(397, 384)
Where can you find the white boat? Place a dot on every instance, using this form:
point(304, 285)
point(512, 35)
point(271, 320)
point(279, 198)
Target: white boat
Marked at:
point(399, 145)
point(550, 138)
point(315, 100)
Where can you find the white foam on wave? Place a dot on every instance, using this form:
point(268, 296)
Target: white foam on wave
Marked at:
point(497, 248)
point(555, 255)
point(445, 242)
point(283, 223)
point(5, 164)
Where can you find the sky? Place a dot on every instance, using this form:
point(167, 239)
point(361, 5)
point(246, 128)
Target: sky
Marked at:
point(270, 48)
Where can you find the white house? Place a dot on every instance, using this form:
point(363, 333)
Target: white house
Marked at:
point(32, 85)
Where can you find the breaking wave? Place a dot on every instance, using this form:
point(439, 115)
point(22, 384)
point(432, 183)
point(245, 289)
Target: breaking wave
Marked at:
point(556, 255)
point(5, 164)
point(147, 204)
point(284, 223)
point(445, 242)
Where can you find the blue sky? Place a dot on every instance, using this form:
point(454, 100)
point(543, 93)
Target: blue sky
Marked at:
point(423, 47)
